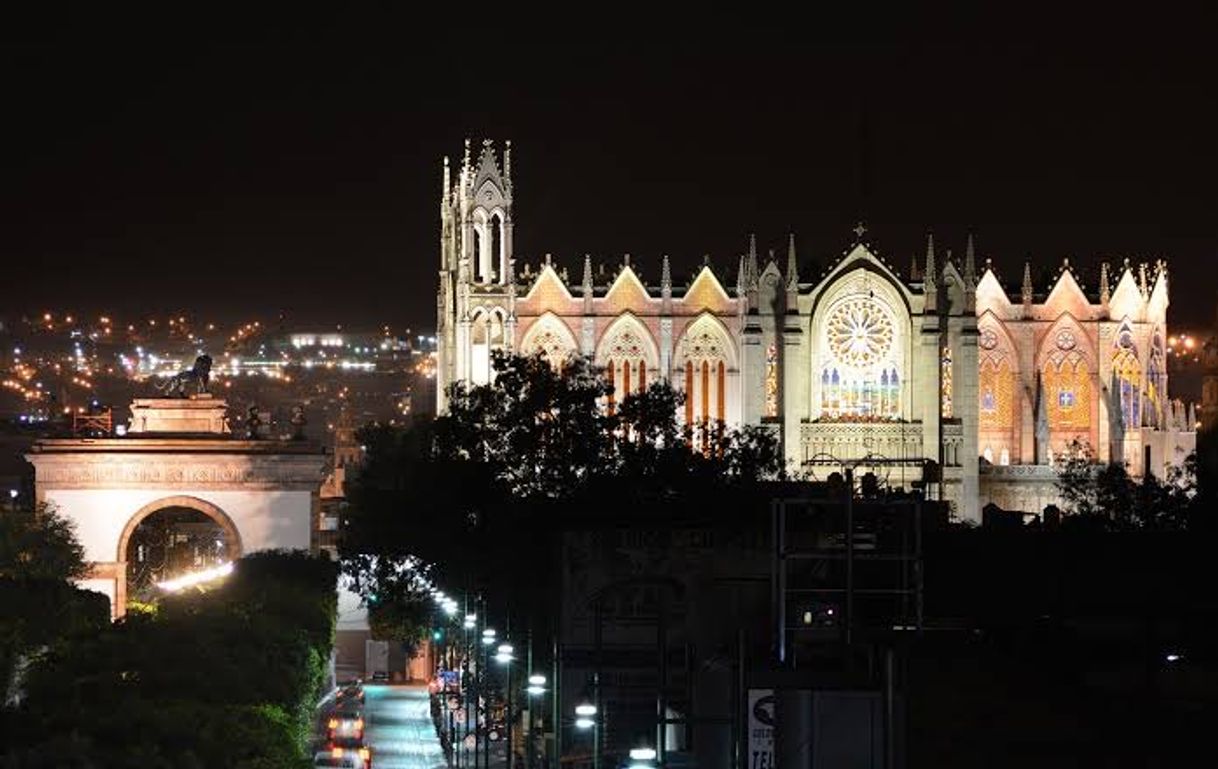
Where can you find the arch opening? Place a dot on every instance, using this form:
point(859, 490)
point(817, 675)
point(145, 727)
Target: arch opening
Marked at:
point(170, 538)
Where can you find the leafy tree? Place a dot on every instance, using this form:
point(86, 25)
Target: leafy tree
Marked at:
point(480, 494)
point(1107, 495)
point(39, 543)
point(223, 677)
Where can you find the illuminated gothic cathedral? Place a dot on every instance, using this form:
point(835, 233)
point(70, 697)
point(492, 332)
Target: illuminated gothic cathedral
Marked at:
point(859, 360)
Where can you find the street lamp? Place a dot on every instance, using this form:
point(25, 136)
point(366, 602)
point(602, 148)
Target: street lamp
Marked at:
point(470, 621)
point(488, 636)
point(537, 685)
point(585, 718)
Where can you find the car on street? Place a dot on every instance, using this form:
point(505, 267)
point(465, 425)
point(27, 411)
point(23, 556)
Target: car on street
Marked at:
point(345, 725)
point(350, 691)
point(343, 758)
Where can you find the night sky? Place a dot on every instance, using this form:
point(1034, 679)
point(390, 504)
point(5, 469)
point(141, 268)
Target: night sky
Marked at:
point(243, 168)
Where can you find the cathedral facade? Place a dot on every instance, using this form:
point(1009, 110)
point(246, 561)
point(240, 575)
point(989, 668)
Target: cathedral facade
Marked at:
point(858, 362)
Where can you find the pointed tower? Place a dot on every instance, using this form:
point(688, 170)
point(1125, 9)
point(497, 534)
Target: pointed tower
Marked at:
point(929, 283)
point(751, 274)
point(475, 254)
point(970, 275)
point(483, 214)
point(1026, 288)
point(665, 286)
point(1105, 290)
point(792, 264)
point(792, 302)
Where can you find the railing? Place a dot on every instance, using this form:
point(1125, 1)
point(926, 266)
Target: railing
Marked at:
point(852, 440)
point(93, 424)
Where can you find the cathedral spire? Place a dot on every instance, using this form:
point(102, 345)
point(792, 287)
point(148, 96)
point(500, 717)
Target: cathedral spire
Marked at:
point(913, 268)
point(741, 280)
point(507, 167)
point(446, 184)
point(1142, 279)
point(928, 285)
point(930, 262)
point(586, 283)
point(792, 263)
point(751, 273)
point(970, 265)
point(1026, 289)
point(1105, 291)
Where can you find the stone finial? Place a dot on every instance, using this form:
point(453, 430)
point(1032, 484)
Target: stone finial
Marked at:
point(586, 283)
point(1026, 289)
point(466, 160)
point(507, 166)
point(970, 265)
point(665, 275)
point(913, 268)
point(751, 265)
point(446, 184)
point(741, 279)
point(792, 263)
point(298, 422)
point(931, 270)
point(1142, 278)
point(252, 423)
point(626, 260)
point(1105, 290)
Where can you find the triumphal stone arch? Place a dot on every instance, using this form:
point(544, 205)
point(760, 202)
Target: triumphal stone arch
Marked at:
point(179, 455)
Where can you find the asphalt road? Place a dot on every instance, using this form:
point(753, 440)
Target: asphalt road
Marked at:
point(399, 728)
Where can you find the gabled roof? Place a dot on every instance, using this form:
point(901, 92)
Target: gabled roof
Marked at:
point(547, 276)
point(1126, 299)
point(706, 291)
point(628, 291)
point(855, 256)
point(991, 295)
point(1067, 296)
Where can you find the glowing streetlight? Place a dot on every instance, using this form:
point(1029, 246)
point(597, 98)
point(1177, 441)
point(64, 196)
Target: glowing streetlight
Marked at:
point(503, 655)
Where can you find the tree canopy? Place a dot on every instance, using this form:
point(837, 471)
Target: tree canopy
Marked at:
point(1106, 494)
point(39, 543)
point(477, 495)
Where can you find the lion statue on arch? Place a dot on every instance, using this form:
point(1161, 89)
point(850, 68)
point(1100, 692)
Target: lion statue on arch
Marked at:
point(193, 381)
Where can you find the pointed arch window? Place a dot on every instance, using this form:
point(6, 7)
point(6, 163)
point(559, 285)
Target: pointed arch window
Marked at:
point(706, 354)
point(945, 382)
point(860, 380)
point(1066, 379)
point(771, 381)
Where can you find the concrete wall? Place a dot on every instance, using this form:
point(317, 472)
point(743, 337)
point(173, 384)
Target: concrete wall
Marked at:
point(265, 519)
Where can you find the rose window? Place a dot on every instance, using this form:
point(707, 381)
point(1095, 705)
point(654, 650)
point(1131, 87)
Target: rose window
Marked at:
point(860, 333)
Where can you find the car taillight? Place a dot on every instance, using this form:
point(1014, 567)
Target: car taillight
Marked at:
point(365, 754)
point(337, 752)
point(333, 723)
point(359, 723)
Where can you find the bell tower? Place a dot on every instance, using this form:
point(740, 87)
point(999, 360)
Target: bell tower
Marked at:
point(476, 258)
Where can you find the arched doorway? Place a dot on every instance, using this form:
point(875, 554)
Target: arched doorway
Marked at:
point(168, 538)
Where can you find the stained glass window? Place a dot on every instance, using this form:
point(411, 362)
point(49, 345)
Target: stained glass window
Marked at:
point(1067, 383)
point(771, 381)
point(860, 380)
point(1128, 375)
point(945, 383)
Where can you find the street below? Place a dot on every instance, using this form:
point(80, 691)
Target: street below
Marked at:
point(399, 728)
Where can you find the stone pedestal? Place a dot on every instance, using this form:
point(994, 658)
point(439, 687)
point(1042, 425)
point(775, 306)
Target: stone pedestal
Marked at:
point(199, 414)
